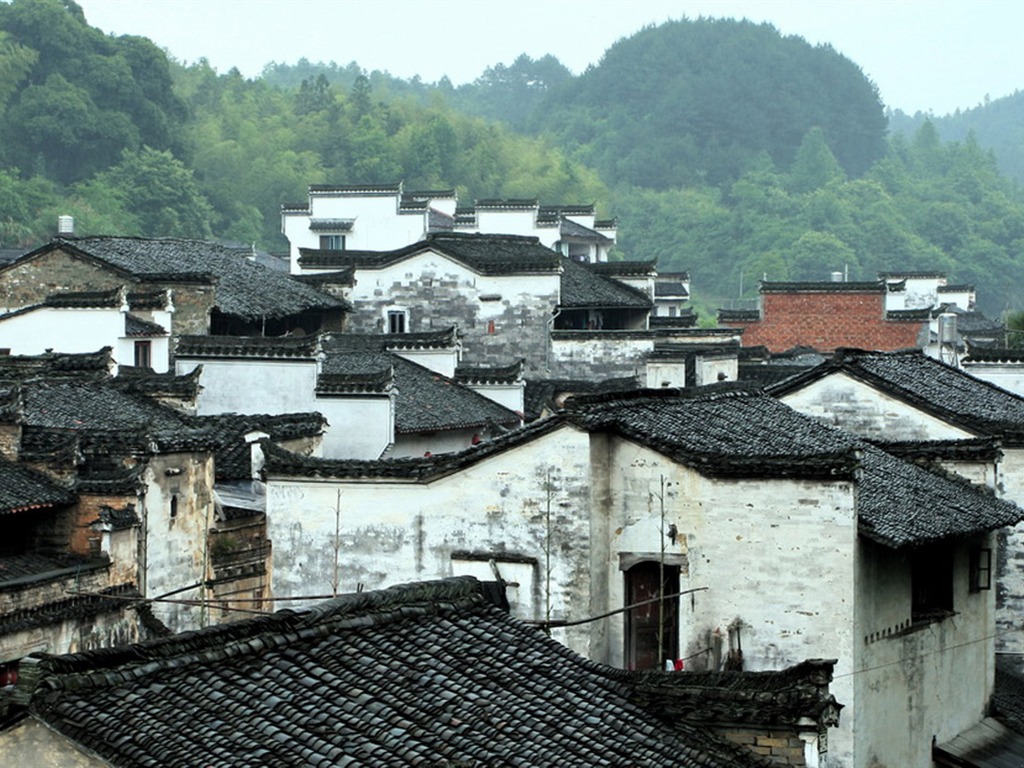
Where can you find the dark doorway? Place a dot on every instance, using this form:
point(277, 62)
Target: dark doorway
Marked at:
point(649, 643)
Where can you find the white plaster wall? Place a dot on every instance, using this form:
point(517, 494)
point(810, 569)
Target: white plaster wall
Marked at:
point(660, 373)
point(253, 386)
point(609, 355)
point(159, 353)
point(443, 361)
point(378, 225)
point(357, 427)
point(845, 402)
point(517, 222)
point(1010, 564)
point(392, 532)
point(176, 553)
point(509, 395)
point(448, 441)
point(932, 680)
point(708, 370)
point(922, 292)
point(1008, 376)
point(62, 330)
point(777, 555)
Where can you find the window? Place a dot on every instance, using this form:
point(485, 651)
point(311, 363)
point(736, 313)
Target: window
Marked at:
point(652, 626)
point(981, 569)
point(174, 506)
point(143, 354)
point(332, 242)
point(931, 580)
point(397, 321)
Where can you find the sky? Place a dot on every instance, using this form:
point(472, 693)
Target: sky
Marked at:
point(924, 55)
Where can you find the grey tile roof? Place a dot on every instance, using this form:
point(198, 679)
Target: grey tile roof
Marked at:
point(767, 698)
point(665, 288)
point(137, 326)
point(53, 365)
point(425, 674)
point(1008, 696)
point(244, 289)
point(549, 394)
point(425, 401)
point(928, 384)
point(257, 347)
point(24, 490)
point(584, 287)
point(567, 228)
point(144, 381)
point(486, 254)
point(77, 608)
point(505, 374)
point(900, 504)
point(282, 463)
point(722, 430)
point(232, 459)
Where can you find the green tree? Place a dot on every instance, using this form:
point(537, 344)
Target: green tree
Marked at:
point(814, 166)
point(160, 192)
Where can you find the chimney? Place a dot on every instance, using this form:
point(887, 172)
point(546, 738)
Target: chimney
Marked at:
point(65, 225)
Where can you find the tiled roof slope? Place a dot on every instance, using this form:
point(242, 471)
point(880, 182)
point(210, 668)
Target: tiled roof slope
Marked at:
point(282, 463)
point(722, 430)
point(546, 394)
point(583, 287)
point(23, 489)
point(928, 384)
point(425, 401)
point(422, 674)
point(52, 365)
point(232, 460)
point(145, 381)
point(900, 504)
point(244, 289)
point(486, 254)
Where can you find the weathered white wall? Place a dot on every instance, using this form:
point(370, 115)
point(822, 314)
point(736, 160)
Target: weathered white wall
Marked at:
point(1006, 375)
point(62, 330)
point(509, 395)
point(443, 361)
point(842, 401)
point(607, 354)
point(448, 441)
point(665, 373)
point(913, 682)
point(710, 370)
point(159, 352)
point(778, 556)
point(501, 318)
point(358, 427)
point(1010, 561)
point(378, 225)
point(176, 553)
point(253, 386)
point(391, 532)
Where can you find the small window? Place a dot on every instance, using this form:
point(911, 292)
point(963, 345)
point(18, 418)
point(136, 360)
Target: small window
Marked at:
point(174, 506)
point(981, 569)
point(143, 354)
point(397, 321)
point(332, 242)
point(931, 578)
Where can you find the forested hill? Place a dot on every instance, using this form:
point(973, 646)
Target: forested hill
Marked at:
point(723, 147)
point(997, 125)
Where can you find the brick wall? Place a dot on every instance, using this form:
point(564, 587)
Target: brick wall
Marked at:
point(781, 747)
point(827, 320)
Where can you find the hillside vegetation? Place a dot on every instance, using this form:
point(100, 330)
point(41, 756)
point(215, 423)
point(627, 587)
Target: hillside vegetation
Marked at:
point(723, 148)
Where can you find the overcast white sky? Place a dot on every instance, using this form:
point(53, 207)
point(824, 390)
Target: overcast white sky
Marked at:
point(925, 55)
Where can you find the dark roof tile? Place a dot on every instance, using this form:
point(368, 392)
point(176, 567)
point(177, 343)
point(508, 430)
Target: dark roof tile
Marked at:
point(425, 673)
point(244, 288)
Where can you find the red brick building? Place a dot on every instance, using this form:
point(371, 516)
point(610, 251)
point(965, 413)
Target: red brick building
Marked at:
point(826, 316)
